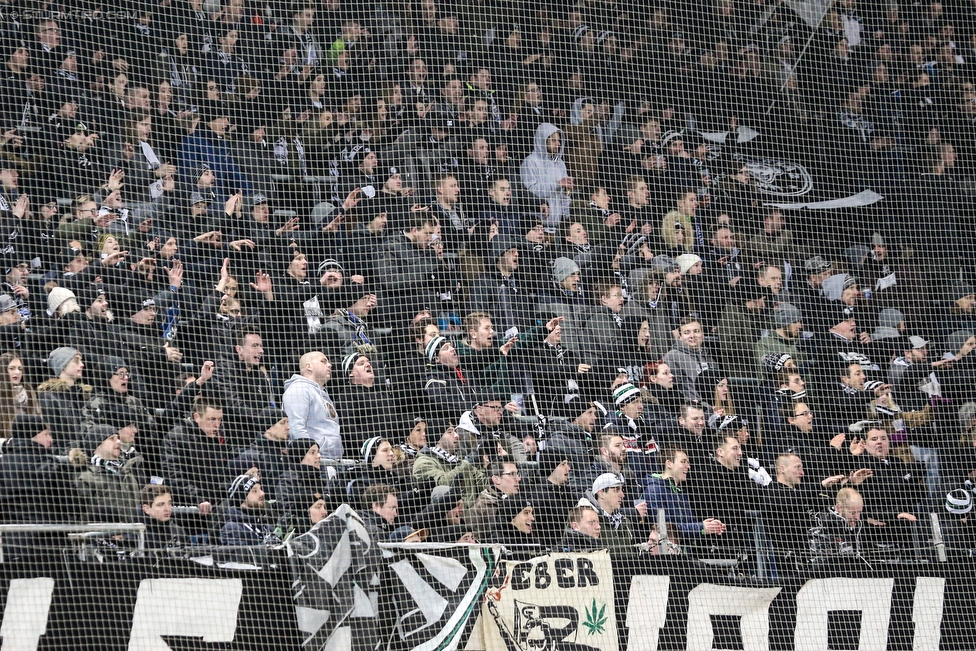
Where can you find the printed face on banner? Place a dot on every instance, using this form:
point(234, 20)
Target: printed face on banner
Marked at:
point(556, 602)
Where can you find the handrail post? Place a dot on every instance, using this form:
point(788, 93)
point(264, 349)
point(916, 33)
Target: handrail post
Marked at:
point(662, 532)
point(937, 541)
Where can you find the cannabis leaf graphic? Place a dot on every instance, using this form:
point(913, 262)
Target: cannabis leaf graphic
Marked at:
point(596, 620)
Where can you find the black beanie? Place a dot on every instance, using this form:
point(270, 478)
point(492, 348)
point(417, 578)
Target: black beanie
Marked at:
point(96, 436)
point(550, 459)
point(298, 448)
point(26, 426)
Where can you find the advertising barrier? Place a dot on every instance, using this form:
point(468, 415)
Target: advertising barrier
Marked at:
point(457, 597)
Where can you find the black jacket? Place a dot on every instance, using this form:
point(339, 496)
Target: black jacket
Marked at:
point(61, 406)
point(33, 485)
point(195, 466)
point(295, 488)
point(551, 504)
point(245, 392)
point(726, 495)
point(366, 412)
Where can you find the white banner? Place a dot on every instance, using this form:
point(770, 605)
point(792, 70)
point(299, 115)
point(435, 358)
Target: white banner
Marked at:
point(559, 601)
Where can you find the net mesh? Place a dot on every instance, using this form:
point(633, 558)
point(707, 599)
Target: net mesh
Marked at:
point(486, 325)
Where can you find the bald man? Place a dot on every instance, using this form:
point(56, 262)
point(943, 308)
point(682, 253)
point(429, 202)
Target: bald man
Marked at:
point(311, 412)
point(837, 531)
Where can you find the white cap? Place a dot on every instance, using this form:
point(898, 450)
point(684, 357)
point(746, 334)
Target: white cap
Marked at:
point(606, 480)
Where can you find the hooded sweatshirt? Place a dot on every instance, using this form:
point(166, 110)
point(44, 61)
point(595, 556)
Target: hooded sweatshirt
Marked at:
point(312, 414)
point(541, 173)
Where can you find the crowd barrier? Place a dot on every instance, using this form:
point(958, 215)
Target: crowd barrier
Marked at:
point(464, 597)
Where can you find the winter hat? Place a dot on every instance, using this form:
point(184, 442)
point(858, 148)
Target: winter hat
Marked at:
point(96, 436)
point(109, 366)
point(298, 448)
point(563, 268)
point(350, 361)
point(240, 488)
point(605, 481)
point(501, 245)
point(686, 261)
point(196, 171)
point(834, 286)
point(877, 240)
point(118, 416)
point(775, 362)
point(510, 506)
point(890, 318)
point(434, 347)
point(59, 358)
point(580, 31)
point(133, 304)
point(551, 457)
point(57, 297)
point(956, 340)
point(786, 314)
point(268, 418)
point(370, 447)
point(959, 501)
point(88, 294)
point(330, 264)
point(664, 263)
point(26, 426)
point(306, 500)
point(69, 253)
point(625, 394)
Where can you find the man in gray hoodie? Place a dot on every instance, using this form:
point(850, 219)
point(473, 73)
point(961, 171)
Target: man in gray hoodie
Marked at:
point(543, 172)
point(311, 412)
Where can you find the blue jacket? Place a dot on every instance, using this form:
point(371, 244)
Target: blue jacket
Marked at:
point(664, 494)
point(243, 529)
point(203, 147)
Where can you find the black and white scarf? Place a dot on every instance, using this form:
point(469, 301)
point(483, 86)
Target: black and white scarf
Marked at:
point(442, 454)
point(113, 467)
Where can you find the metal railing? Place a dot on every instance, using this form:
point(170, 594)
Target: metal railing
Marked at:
point(137, 528)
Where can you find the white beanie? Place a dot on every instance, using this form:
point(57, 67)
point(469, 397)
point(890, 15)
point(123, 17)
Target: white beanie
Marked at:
point(56, 298)
point(686, 261)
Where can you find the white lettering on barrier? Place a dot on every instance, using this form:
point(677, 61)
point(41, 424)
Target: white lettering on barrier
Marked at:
point(647, 611)
point(819, 596)
point(927, 612)
point(205, 608)
point(751, 604)
point(25, 613)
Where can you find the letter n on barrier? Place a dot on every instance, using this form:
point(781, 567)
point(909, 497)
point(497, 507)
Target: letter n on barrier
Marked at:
point(750, 604)
point(205, 608)
point(25, 614)
point(818, 597)
point(647, 608)
point(927, 612)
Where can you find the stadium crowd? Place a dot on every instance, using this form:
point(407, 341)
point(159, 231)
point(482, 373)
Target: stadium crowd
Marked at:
point(488, 271)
